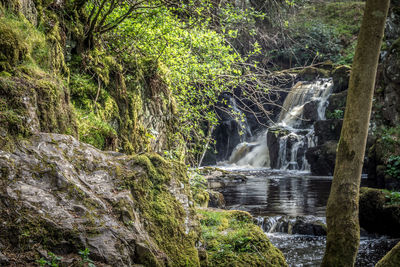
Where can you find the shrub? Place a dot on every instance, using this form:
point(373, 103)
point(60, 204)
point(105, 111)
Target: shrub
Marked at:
point(393, 167)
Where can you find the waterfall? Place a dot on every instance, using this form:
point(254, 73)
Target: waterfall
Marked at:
point(240, 119)
point(253, 154)
point(284, 144)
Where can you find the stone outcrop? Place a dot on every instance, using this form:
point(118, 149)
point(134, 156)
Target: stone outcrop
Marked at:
point(386, 110)
point(59, 195)
point(378, 214)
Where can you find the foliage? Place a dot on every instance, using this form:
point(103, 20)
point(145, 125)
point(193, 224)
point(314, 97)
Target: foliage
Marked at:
point(93, 130)
point(389, 141)
point(319, 32)
point(336, 114)
point(195, 63)
point(393, 166)
point(53, 260)
point(393, 197)
point(85, 258)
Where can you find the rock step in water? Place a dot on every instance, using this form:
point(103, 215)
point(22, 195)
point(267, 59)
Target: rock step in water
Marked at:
point(302, 225)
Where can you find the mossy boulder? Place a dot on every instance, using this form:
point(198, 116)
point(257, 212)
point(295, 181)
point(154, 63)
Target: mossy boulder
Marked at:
point(312, 73)
point(232, 239)
point(60, 195)
point(378, 212)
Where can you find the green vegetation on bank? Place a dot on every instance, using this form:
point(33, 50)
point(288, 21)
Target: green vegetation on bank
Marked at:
point(321, 31)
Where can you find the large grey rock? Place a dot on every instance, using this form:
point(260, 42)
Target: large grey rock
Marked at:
point(65, 196)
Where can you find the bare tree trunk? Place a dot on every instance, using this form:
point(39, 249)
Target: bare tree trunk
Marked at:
point(342, 210)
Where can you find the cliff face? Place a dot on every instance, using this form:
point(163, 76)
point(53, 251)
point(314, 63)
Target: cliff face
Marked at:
point(47, 86)
point(60, 195)
point(385, 146)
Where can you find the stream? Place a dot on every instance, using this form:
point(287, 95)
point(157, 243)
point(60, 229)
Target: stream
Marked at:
point(290, 207)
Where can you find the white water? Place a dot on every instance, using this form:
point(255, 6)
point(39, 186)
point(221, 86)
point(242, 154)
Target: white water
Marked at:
point(292, 119)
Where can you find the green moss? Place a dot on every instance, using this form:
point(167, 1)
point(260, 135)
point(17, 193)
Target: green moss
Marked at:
point(198, 187)
point(33, 99)
point(232, 239)
point(311, 73)
point(12, 47)
point(163, 214)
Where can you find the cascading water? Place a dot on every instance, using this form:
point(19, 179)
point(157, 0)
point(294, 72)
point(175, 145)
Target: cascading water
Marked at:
point(240, 119)
point(284, 144)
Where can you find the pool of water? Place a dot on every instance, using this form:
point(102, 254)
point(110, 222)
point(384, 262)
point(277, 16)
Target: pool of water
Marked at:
point(295, 196)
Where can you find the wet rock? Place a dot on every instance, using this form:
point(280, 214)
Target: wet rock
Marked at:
point(322, 158)
point(302, 225)
point(65, 195)
point(377, 214)
point(341, 76)
point(328, 130)
point(310, 113)
point(218, 178)
point(273, 136)
point(392, 30)
point(217, 199)
point(309, 226)
point(336, 102)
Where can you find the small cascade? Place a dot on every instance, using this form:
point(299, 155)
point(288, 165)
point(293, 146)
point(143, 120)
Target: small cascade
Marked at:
point(303, 225)
point(240, 119)
point(284, 145)
point(253, 154)
point(282, 152)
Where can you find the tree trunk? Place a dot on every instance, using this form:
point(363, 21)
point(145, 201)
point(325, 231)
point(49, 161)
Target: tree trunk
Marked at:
point(342, 208)
point(392, 258)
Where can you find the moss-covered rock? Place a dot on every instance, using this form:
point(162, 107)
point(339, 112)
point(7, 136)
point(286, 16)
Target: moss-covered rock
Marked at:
point(34, 101)
point(62, 196)
point(13, 49)
point(312, 73)
point(378, 213)
point(232, 239)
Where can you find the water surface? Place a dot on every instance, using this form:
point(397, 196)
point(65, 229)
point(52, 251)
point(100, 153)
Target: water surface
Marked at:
point(274, 194)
